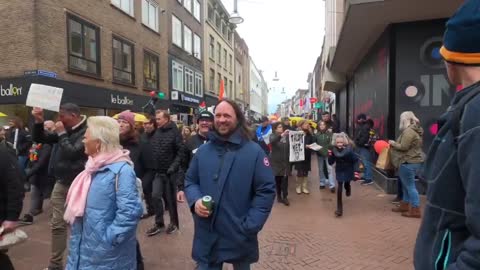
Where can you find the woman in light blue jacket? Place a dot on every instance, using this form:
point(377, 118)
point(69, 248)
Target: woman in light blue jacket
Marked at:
point(103, 204)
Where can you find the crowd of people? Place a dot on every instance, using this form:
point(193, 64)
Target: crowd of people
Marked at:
point(99, 172)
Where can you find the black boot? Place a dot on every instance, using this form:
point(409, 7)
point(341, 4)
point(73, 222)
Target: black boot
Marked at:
point(278, 188)
point(348, 189)
point(339, 211)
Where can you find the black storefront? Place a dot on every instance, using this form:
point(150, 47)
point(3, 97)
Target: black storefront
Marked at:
point(92, 100)
point(184, 107)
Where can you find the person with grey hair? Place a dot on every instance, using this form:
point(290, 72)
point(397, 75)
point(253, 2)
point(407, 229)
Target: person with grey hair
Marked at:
point(407, 156)
point(68, 160)
point(103, 203)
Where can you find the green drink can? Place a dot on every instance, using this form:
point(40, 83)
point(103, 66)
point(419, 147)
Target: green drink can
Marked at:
point(207, 201)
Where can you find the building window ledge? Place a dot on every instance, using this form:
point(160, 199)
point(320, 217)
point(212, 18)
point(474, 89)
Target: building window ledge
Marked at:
point(85, 74)
point(119, 9)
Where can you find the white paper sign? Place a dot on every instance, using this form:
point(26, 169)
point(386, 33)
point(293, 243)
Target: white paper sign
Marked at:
point(315, 147)
point(297, 146)
point(45, 97)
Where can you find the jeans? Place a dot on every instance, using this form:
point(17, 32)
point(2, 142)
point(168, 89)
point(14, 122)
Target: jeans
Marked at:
point(236, 266)
point(58, 225)
point(164, 184)
point(322, 161)
point(38, 194)
point(5, 263)
point(407, 174)
point(366, 159)
point(22, 163)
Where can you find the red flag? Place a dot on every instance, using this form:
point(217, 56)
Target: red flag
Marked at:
point(202, 105)
point(301, 102)
point(222, 90)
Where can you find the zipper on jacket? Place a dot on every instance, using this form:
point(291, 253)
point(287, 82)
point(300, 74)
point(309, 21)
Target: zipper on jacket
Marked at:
point(442, 259)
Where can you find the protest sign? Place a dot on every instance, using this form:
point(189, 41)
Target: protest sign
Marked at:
point(45, 97)
point(297, 146)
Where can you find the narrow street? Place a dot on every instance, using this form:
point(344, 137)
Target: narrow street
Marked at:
point(303, 236)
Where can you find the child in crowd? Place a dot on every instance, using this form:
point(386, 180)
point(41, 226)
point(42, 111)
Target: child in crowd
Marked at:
point(344, 158)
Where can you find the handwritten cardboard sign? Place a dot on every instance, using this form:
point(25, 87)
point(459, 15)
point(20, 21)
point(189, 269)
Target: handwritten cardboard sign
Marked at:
point(45, 97)
point(297, 146)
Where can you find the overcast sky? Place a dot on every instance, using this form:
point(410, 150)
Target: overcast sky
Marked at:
point(284, 36)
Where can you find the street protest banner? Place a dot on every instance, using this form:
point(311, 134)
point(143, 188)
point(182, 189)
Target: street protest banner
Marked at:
point(45, 97)
point(297, 146)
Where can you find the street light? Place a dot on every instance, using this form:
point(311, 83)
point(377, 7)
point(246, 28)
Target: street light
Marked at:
point(235, 17)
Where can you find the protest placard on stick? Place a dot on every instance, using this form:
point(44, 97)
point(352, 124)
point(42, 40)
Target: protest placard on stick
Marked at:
point(45, 97)
point(297, 146)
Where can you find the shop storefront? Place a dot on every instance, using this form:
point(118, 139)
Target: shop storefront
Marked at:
point(92, 100)
point(184, 107)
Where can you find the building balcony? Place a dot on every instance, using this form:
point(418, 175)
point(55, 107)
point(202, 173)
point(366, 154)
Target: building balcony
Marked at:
point(366, 20)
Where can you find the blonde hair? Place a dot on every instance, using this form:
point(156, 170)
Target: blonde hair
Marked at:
point(407, 119)
point(106, 130)
point(344, 136)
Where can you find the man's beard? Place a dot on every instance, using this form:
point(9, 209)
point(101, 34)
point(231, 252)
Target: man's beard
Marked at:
point(226, 134)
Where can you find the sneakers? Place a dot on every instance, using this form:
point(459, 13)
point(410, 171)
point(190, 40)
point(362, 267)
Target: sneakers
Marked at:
point(367, 183)
point(286, 202)
point(322, 187)
point(155, 230)
point(26, 220)
point(171, 229)
point(332, 190)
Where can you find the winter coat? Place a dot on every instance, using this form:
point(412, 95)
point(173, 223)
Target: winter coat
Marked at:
point(140, 154)
point(449, 237)
point(11, 186)
point(306, 165)
point(237, 174)
point(362, 135)
point(147, 152)
point(69, 158)
point(324, 139)
point(105, 237)
point(408, 147)
point(167, 148)
point(344, 160)
point(192, 146)
point(24, 140)
point(37, 170)
point(279, 157)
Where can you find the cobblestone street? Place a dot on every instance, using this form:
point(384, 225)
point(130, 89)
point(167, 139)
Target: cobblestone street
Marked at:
point(303, 236)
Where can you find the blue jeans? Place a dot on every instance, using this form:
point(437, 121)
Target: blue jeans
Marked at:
point(22, 163)
point(236, 266)
point(366, 159)
point(407, 173)
point(323, 180)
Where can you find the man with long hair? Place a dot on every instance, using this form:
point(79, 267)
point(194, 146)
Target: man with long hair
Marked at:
point(235, 173)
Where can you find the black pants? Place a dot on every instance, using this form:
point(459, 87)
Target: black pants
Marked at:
point(340, 195)
point(165, 184)
point(281, 184)
point(147, 184)
point(399, 189)
point(140, 265)
point(5, 263)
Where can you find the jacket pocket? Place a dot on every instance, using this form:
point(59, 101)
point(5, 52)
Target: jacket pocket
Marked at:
point(443, 256)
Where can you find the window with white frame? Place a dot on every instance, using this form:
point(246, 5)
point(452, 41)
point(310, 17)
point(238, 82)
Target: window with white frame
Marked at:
point(125, 5)
point(176, 31)
point(187, 39)
point(188, 5)
point(199, 84)
point(197, 10)
point(150, 14)
point(189, 81)
point(197, 47)
point(211, 50)
point(177, 76)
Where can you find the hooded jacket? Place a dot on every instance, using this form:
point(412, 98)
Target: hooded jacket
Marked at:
point(167, 148)
point(408, 147)
point(344, 160)
point(449, 237)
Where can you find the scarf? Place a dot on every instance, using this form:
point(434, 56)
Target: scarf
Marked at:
point(78, 192)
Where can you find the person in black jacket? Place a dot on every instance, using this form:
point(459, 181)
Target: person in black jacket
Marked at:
point(21, 140)
point(11, 198)
point(68, 161)
point(37, 175)
point(362, 138)
point(149, 174)
point(168, 151)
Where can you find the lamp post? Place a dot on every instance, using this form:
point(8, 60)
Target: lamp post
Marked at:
point(235, 17)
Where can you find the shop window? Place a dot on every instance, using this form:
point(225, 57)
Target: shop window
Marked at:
point(177, 76)
point(88, 111)
point(199, 84)
point(125, 5)
point(150, 14)
point(83, 46)
point(123, 61)
point(150, 71)
point(189, 81)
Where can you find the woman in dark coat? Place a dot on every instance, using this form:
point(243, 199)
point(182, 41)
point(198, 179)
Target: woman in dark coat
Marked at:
point(279, 159)
point(303, 167)
point(344, 158)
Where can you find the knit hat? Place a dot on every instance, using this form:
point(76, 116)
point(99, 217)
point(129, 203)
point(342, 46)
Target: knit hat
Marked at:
point(127, 116)
point(205, 115)
point(462, 37)
point(362, 117)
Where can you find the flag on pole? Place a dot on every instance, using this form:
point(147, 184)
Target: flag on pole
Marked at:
point(221, 93)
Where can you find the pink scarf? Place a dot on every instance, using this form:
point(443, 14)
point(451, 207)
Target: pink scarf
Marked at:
point(78, 192)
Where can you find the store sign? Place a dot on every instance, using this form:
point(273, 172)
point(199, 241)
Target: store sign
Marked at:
point(11, 91)
point(43, 73)
point(174, 95)
point(190, 99)
point(116, 99)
